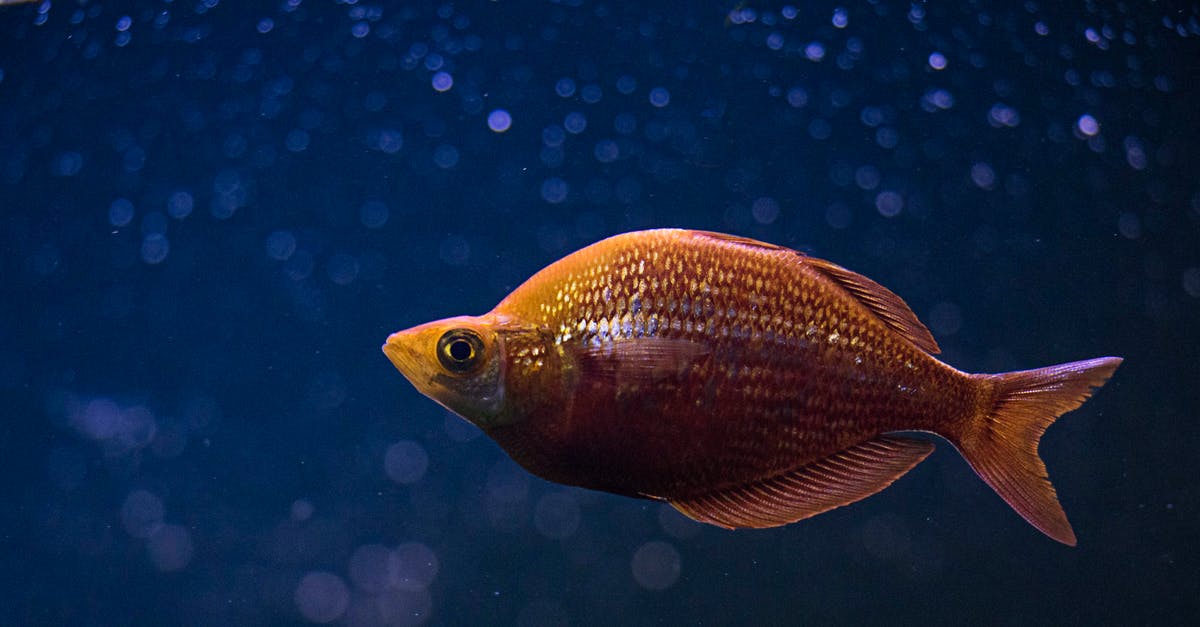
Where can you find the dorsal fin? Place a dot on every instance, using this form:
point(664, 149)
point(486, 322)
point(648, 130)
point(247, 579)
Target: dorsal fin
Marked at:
point(840, 479)
point(744, 241)
point(891, 309)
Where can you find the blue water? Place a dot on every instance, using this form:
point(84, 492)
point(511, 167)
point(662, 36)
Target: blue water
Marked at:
point(213, 213)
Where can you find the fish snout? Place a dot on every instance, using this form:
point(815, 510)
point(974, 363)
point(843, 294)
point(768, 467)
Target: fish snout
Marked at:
point(401, 352)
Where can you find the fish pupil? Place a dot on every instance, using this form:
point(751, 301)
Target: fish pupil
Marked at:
point(460, 350)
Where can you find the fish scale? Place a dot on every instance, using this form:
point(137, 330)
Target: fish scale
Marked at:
point(814, 338)
point(747, 384)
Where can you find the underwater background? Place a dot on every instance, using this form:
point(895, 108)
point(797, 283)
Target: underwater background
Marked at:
point(213, 213)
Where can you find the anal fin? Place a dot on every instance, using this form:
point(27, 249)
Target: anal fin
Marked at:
point(840, 479)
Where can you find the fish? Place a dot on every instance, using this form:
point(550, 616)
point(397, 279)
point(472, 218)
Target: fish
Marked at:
point(747, 384)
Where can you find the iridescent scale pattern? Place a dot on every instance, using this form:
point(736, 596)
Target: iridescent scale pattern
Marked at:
point(790, 366)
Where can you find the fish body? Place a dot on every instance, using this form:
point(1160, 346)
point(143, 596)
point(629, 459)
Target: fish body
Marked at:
point(747, 384)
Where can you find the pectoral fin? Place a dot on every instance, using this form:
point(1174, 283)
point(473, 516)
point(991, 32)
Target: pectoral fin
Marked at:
point(646, 359)
point(840, 479)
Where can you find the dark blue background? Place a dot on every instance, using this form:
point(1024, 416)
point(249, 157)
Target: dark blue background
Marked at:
point(196, 276)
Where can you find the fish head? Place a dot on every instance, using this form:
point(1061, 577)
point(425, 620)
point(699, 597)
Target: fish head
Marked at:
point(457, 362)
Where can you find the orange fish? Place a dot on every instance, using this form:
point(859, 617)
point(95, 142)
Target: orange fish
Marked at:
point(747, 384)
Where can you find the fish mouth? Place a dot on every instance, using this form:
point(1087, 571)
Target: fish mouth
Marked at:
point(398, 350)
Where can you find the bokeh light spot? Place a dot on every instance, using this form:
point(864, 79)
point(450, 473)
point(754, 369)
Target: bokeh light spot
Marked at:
point(1087, 125)
point(556, 515)
point(983, 176)
point(656, 565)
point(554, 190)
point(765, 210)
point(321, 597)
point(280, 245)
point(797, 97)
point(841, 18)
point(660, 97)
point(888, 203)
point(141, 513)
point(1129, 225)
point(370, 568)
point(388, 141)
point(442, 81)
point(120, 212)
point(405, 462)
point(373, 214)
point(446, 156)
point(565, 87)
point(591, 94)
point(413, 566)
point(342, 269)
point(170, 547)
point(155, 248)
point(180, 204)
point(302, 510)
point(67, 163)
point(455, 250)
point(499, 120)
point(606, 151)
point(575, 123)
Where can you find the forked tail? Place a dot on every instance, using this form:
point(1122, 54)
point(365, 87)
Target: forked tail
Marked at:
point(1001, 443)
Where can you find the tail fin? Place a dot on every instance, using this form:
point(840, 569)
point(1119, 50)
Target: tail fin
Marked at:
point(1001, 444)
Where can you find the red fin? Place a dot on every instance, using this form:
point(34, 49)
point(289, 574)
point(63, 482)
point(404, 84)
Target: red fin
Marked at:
point(841, 479)
point(882, 302)
point(642, 359)
point(1001, 445)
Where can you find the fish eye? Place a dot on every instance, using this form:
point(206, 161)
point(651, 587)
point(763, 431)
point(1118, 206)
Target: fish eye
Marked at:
point(459, 350)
